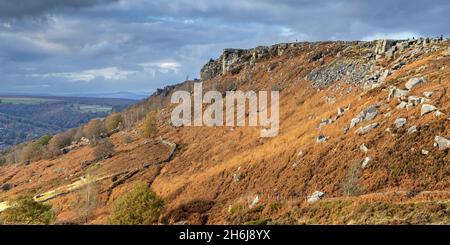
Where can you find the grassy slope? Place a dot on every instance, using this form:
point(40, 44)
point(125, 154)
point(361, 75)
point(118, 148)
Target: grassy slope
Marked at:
point(198, 183)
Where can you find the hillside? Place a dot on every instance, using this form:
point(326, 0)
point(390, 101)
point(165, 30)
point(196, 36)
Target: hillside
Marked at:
point(364, 139)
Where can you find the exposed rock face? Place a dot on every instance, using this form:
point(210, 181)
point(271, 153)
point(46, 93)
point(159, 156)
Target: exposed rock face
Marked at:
point(233, 60)
point(382, 46)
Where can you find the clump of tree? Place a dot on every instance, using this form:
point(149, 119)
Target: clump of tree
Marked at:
point(113, 122)
point(150, 127)
point(36, 150)
point(59, 141)
point(104, 149)
point(94, 131)
point(28, 212)
point(136, 113)
point(140, 206)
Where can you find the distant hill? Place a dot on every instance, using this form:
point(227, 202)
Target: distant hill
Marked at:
point(122, 95)
point(26, 117)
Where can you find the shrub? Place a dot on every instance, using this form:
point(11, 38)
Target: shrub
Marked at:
point(135, 113)
point(149, 127)
point(140, 206)
point(26, 211)
point(60, 141)
point(127, 139)
point(32, 152)
point(2, 159)
point(94, 130)
point(351, 185)
point(104, 149)
point(113, 121)
point(44, 140)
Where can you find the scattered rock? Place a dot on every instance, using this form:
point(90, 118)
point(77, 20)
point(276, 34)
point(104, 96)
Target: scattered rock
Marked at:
point(428, 94)
point(400, 122)
point(364, 148)
point(366, 162)
point(383, 77)
point(402, 105)
point(413, 82)
point(426, 108)
point(345, 130)
point(322, 138)
point(398, 65)
point(394, 92)
point(412, 129)
point(340, 111)
point(442, 142)
point(425, 152)
point(325, 122)
point(439, 113)
point(354, 122)
point(316, 196)
point(370, 113)
point(366, 129)
point(253, 201)
point(414, 100)
point(237, 176)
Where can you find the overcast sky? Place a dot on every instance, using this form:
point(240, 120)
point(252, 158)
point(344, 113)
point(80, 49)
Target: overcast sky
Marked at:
point(95, 46)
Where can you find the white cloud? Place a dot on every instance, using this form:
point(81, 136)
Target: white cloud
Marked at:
point(395, 36)
point(109, 73)
point(161, 66)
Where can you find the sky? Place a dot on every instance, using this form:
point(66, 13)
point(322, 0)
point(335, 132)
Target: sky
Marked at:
point(75, 47)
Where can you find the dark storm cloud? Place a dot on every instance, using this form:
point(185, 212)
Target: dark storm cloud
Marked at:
point(107, 45)
point(21, 8)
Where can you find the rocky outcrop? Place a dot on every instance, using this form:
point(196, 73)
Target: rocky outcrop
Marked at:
point(233, 60)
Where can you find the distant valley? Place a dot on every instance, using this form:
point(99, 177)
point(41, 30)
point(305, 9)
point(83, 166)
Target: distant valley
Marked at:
point(24, 117)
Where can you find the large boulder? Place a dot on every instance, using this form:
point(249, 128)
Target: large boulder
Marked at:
point(316, 196)
point(413, 82)
point(442, 142)
point(369, 113)
point(400, 122)
point(426, 108)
